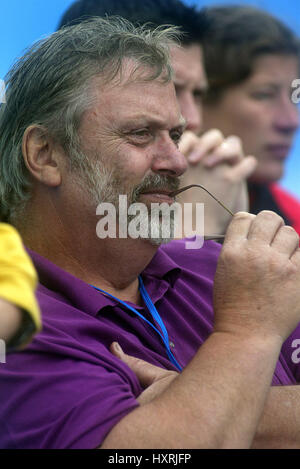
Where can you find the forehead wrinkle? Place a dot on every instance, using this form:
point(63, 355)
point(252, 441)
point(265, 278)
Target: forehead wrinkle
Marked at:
point(149, 111)
point(136, 104)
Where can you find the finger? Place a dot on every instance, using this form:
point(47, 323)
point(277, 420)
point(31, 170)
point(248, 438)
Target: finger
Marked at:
point(230, 151)
point(188, 142)
point(145, 372)
point(239, 227)
point(243, 169)
point(264, 227)
point(295, 258)
point(207, 143)
point(286, 240)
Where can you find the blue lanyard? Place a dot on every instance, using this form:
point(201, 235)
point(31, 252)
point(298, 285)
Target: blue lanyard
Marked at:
point(155, 315)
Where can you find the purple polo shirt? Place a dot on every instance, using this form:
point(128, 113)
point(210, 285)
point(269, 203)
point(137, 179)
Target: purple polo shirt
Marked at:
point(66, 390)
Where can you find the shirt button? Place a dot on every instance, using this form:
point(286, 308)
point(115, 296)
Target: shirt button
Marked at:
point(172, 345)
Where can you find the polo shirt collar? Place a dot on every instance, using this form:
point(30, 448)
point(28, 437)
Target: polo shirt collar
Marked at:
point(161, 271)
point(67, 288)
point(162, 266)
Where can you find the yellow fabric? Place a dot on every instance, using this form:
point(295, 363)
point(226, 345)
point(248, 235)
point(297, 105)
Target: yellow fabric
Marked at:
point(18, 278)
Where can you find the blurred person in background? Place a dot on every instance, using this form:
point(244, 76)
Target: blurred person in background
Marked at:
point(251, 60)
point(216, 162)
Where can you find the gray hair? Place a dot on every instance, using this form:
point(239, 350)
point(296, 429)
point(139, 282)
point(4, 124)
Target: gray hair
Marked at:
point(50, 87)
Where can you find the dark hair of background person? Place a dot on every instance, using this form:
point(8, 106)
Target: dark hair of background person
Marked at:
point(236, 37)
point(193, 24)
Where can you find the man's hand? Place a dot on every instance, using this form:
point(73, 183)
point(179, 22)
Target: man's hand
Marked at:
point(256, 285)
point(219, 164)
point(218, 399)
point(154, 379)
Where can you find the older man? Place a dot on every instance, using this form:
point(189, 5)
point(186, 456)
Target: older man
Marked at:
point(91, 113)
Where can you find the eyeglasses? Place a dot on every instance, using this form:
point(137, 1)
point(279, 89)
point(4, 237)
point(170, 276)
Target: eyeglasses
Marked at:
point(206, 237)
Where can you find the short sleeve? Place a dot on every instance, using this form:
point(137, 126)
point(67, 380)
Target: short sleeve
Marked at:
point(63, 402)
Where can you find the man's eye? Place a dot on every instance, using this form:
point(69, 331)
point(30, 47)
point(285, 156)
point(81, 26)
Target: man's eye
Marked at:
point(140, 134)
point(140, 137)
point(198, 94)
point(176, 136)
point(263, 95)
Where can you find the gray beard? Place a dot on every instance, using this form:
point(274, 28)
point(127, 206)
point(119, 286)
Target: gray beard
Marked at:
point(105, 186)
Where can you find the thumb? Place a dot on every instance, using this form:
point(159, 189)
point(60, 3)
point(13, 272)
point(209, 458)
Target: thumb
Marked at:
point(145, 372)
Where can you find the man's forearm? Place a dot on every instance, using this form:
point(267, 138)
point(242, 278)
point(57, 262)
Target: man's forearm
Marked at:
point(216, 402)
point(218, 399)
point(280, 423)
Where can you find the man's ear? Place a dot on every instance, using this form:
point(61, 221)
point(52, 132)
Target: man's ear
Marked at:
point(41, 156)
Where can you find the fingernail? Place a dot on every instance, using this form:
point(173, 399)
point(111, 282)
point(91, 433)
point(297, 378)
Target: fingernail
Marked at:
point(117, 347)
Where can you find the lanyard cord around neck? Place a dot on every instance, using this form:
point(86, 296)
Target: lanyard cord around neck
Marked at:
point(155, 315)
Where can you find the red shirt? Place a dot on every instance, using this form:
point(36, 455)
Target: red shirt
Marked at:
point(273, 197)
point(288, 204)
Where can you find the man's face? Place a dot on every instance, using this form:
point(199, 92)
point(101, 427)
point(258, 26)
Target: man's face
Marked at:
point(260, 111)
point(190, 83)
point(130, 138)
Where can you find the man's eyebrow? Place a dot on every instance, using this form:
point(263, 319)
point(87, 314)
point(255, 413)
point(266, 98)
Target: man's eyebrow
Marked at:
point(267, 81)
point(201, 91)
point(144, 119)
point(201, 88)
point(182, 124)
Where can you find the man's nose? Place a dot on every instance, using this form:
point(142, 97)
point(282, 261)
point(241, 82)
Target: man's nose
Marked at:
point(168, 160)
point(287, 116)
point(191, 111)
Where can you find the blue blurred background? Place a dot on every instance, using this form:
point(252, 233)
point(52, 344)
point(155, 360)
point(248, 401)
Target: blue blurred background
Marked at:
point(24, 21)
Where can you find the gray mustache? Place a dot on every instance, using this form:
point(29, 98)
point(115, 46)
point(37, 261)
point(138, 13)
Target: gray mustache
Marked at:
point(156, 182)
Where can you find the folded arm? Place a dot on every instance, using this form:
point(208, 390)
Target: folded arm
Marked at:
point(218, 399)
